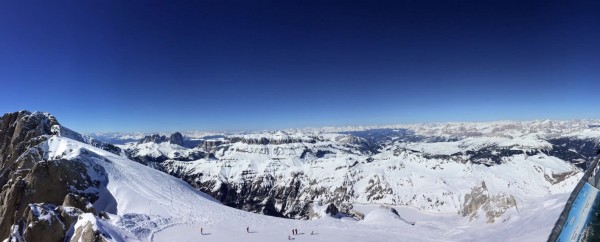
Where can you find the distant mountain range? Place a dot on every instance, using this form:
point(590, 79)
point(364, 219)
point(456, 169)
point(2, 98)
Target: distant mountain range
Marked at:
point(467, 168)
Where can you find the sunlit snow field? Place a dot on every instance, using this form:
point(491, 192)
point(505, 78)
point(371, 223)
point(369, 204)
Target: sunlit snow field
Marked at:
point(152, 206)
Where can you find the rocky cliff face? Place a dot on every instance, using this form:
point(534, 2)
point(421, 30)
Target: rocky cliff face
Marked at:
point(175, 138)
point(155, 138)
point(480, 201)
point(40, 198)
point(210, 146)
point(18, 132)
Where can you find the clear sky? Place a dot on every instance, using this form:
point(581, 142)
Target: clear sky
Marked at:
point(243, 65)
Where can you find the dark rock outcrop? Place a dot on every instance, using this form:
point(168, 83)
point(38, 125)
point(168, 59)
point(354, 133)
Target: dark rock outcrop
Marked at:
point(48, 182)
point(33, 187)
point(210, 145)
point(176, 138)
point(154, 138)
point(79, 202)
point(19, 133)
point(332, 210)
point(44, 223)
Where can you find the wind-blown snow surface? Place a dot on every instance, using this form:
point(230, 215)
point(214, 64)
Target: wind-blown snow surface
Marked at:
point(146, 204)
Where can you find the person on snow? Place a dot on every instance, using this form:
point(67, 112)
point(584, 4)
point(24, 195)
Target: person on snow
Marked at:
point(201, 231)
point(247, 229)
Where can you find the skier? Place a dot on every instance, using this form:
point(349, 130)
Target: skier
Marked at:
point(247, 229)
point(312, 232)
point(201, 231)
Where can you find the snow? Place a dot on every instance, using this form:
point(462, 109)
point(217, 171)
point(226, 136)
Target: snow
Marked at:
point(412, 179)
point(138, 189)
point(40, 213)
point(102, 227)
point(156, 150)
point(151, 205)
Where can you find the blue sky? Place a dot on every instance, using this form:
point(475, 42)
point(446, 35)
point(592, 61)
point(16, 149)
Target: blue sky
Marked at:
point(244, 65)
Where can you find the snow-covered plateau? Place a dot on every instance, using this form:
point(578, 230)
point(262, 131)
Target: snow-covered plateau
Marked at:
point(504, 181)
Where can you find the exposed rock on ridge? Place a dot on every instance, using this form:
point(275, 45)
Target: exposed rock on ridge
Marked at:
point(479, 200)
point(41, 198)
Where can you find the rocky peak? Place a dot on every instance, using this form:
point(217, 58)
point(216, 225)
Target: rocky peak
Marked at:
point(154, 138)
point(18, 132)
point(175, 138)
point(479, 199)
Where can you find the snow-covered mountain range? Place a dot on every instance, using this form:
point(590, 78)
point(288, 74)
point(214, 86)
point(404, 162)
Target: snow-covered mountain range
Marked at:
point(58, 185)
point(456, 182)
point(471, 169)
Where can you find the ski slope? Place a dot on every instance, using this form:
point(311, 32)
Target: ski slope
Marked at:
point(148, 205)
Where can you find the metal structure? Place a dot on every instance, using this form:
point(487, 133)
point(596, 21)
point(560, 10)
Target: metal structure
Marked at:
point(580, 207)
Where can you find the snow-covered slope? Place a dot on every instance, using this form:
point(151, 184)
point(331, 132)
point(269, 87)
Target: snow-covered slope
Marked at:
point(303, 174)
point(146, 204)
point(471, 169)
